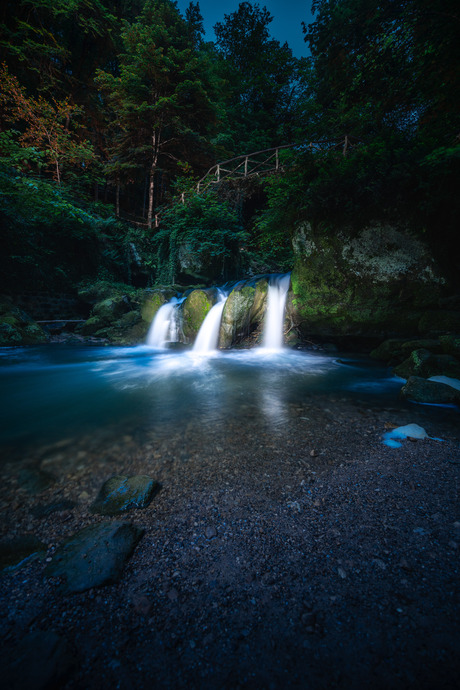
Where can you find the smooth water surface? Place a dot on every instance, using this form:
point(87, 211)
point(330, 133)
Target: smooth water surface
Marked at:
point(50, 391)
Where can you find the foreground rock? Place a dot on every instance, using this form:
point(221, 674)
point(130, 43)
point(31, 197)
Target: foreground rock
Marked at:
point(424, 363)
point(121, 493)
point(422, 390)
point(41, 660)
point(18, 328)
point(95, 556)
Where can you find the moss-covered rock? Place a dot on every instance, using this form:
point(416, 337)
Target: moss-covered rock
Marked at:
point(112, 308)
point(424, 363)
point(120, 494)
point(421, 390)
point(18, 328)
point(91, 326)
point(94, 556)
point(450, 344)
point(195, 309)
point(151, 302)
point(396, 350)
point(370, 283)
point(236, 317)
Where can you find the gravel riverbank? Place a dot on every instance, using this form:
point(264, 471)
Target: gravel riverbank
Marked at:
point(297, 553)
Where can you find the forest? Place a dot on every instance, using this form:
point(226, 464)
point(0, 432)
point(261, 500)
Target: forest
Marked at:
point(112, 111)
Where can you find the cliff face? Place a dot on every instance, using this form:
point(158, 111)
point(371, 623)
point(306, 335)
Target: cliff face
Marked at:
point(379, 282)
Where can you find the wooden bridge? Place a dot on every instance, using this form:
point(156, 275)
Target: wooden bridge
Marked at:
point(262, 163)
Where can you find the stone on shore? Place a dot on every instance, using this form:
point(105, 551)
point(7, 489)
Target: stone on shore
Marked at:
point(94, 556)
point(424, 391)
point(121, 493)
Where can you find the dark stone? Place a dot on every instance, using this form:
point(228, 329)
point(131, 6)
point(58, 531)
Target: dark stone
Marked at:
point(424, 363)
point(41, 660)
point(420, 390)
point(121, 493)
point(95, 556)
point(42, 511)
point(15, 552)
point(35, 480)
point(395, 350)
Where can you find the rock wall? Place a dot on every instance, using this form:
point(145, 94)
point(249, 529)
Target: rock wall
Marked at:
point(378, 282)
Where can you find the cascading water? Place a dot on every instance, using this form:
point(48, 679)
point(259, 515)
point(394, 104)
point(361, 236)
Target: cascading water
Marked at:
point(274, 318)
point(208, 335)
point(165, 326)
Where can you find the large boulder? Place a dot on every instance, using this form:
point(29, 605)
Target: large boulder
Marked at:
point(396, 350)
point(110, 309)
point(94, 556)
point(120, 494)
point(196, 307)
point(374, 282)
point(421, 390)
point(18, 328)
point(424, 363)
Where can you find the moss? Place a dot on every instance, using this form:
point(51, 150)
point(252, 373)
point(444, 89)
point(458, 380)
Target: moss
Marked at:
point(195, 309)
point(236, 317)
point(151, 302)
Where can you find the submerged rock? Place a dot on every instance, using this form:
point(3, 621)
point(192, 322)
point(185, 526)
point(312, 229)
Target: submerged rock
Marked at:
point(15, 552)
point(424, 391)
point(95, 556)
point(121, 493)
point(41, 660)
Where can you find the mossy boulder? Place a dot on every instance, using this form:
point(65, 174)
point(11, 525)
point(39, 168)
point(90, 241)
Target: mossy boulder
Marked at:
point(421, 390)
point(151, 302)
point(450, 344)
point(94, 556)
point(396, 350)
point(91, 326)
point(112, 308)
point(102, 290)
point(18, 328)
point(372, 282)
point(195, 309)
point(236, 317)
point(424, 363)
point(120, 494)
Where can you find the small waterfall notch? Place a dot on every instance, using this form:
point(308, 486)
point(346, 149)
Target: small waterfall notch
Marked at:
point(274, 317)
point(208, 335)
point(165, 325)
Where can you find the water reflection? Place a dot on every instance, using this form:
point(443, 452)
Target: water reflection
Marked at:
point(51, 391)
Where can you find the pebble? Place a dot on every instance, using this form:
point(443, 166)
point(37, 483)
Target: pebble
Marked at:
point(210, 532)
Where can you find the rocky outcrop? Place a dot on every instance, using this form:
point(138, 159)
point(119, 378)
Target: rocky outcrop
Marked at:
point(422, 390)
point(17, 327)
point(195, 308)
point(372, 283)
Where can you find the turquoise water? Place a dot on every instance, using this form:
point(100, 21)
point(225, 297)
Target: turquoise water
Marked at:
point(51, 391)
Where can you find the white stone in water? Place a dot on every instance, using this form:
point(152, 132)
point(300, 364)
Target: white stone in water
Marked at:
point(453, 383)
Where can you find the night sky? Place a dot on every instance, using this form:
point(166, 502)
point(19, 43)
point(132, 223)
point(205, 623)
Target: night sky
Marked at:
point(286, 24)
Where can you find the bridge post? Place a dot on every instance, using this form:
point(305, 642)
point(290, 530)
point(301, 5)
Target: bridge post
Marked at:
point(246, 166)
point(277, 159)
point(218, 173)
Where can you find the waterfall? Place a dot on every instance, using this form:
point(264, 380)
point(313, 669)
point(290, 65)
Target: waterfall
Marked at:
point(274, 318)
point(165, 325)
point(208, 335)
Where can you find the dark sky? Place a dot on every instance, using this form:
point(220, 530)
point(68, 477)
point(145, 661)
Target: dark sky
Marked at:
point(286, 24)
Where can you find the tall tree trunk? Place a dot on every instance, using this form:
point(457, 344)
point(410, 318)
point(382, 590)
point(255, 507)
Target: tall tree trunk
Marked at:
point(117, 200)
point(153, 169)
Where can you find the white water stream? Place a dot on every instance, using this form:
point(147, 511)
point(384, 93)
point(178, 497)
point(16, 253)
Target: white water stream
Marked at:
point(208, 335)
point(165, 326)
point(274, 318)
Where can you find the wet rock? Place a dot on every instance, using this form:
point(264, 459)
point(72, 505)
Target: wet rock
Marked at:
point(397, 350)
point(421, 390)
point(111, 309)
point(195, 309)
point(18, 328)
point(16, 552)
point(424, 363)
point(210, 532)
point(95, 556)
point(450, 344)
point(121, 493)
point(42, 659)
point(42, 511)
point(236, 317)
point(34, 480)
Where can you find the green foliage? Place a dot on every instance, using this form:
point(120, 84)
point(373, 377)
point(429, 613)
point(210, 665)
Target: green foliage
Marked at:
point(204, 233)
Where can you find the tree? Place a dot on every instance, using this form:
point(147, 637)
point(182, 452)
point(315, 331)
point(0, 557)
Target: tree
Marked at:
point(46, 125)
point(261, 75)
point(160, 100)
